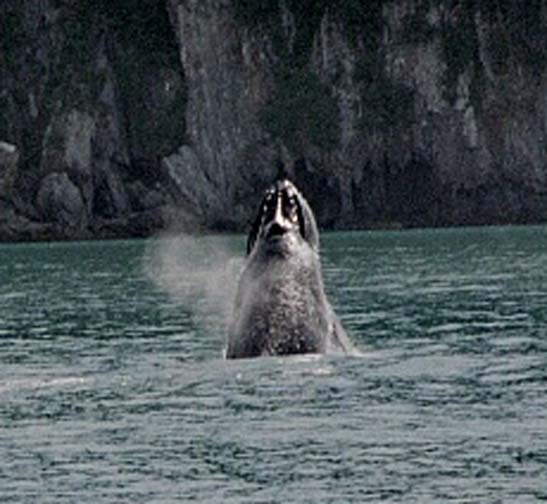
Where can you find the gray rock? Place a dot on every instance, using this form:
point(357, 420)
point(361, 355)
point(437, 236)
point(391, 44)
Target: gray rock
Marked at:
point(60, 201)
point(67, 148)
point(9, 158)
point(110, 198)
point(194, 188)
point(229, 77)
point(16, 227)
point(144, 198)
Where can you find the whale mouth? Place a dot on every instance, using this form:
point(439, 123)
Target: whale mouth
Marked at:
point(276, 231)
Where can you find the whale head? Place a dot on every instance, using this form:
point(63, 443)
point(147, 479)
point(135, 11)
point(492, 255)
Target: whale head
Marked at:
point(284, 220)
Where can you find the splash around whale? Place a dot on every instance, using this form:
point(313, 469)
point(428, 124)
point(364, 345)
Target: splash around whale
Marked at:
point(281, 307)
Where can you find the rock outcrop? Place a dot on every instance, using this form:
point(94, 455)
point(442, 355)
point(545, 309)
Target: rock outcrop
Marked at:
point(91, 98)
point(9, 158)
point(385, 113)
point(60, 201)
point(123, 118)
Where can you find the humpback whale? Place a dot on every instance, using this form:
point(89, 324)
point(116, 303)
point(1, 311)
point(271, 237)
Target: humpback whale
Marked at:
point(281, 307)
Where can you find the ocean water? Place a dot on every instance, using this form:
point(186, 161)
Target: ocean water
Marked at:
point(113, 387)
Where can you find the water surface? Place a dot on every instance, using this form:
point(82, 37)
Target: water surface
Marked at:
point(113, 387)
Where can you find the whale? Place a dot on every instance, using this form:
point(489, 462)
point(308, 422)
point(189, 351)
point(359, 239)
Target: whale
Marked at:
point(280, 306)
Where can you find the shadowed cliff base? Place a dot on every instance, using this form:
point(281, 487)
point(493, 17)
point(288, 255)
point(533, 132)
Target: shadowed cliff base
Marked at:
point(123, 119)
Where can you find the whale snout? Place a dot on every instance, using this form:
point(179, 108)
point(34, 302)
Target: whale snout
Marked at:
point(280, 212)
point(284, 220)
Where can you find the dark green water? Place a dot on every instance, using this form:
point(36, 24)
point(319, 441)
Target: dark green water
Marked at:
point(113, 387)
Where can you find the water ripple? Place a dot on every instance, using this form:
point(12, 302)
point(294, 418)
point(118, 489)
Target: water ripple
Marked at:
point(114, 390)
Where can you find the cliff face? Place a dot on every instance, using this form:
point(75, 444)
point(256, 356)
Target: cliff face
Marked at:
point(92, 97)
point(386, 113)
point(120, 121)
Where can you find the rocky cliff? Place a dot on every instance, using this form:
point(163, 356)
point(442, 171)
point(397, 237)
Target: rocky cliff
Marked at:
point(123, 118)
point(92, 97)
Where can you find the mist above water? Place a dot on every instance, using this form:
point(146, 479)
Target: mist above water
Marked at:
point(197, 272)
